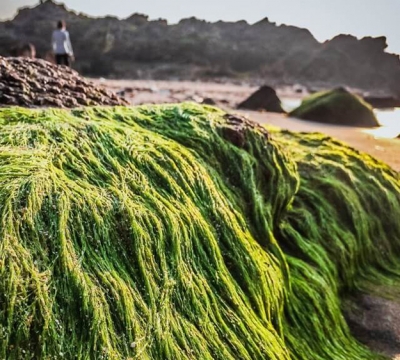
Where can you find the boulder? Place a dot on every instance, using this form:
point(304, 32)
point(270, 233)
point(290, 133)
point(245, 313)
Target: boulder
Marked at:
point(36, 83)
point(209, 101)
point(265, 98)
point(375, 321)
point(26, 50)
point(338, 107)
point(382, 102)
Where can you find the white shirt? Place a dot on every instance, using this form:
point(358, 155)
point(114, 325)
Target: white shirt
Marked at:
point(61, 43)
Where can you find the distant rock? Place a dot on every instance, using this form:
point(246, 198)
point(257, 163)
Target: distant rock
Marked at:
point(138, 19)
point(24, 50)
point(338, 107)
point(345, 60)
point(37, 83)
point(137, 47)
point(265, 98)
point(209, 101)
point(382, 102)
point(298, 89)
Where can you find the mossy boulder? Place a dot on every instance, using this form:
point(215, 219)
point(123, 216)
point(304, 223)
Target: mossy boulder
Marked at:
point(264, 99)
point(182, 232)
point(338, 107)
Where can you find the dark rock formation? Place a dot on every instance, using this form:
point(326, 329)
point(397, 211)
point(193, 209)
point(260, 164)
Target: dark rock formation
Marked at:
point(24, 50)
point(374, 321)
point(361, 64)
point(338, 107)
point(265, 98)
point(139, 48)
point(209, 101)
point(235, 128)
point(35, 83)
point(382, 102)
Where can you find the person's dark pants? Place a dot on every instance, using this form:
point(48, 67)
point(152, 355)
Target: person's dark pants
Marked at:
point(62, 59)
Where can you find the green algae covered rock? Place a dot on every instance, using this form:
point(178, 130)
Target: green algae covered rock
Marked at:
point(181, 232)
point(338, 107)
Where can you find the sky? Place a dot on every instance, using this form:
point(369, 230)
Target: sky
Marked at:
point(324, 18)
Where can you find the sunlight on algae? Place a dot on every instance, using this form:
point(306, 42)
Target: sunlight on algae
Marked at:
point(176, 232)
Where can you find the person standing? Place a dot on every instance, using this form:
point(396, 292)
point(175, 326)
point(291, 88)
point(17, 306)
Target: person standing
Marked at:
point(62, 45)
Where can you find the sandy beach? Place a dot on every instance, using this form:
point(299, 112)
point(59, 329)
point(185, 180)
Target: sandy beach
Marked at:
point(227, 96)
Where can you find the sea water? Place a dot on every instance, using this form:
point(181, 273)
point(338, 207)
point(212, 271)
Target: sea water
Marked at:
point(390, 124)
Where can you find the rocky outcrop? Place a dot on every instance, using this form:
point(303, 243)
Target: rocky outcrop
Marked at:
point(338, 107)
point(375, 321)
point(235, 128)
point(209, 101)
point(37, 83)
point(24, 50)
point(136, 47)
point(361, 64)
point(382, 102)
point(265, 98)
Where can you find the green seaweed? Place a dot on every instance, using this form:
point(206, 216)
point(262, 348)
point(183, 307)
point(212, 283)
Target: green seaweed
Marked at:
point(147, 233)
point(338, 107)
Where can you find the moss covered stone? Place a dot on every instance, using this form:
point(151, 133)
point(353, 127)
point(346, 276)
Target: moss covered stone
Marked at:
point(338, 107)
point(155, 233)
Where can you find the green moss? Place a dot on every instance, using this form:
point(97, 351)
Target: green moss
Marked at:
point(336, 107)
point(145, 233)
